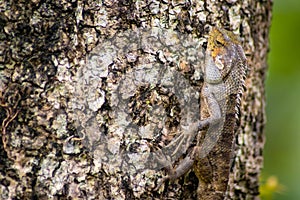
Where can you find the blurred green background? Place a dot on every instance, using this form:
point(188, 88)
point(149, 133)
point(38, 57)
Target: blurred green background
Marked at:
point(282, 148)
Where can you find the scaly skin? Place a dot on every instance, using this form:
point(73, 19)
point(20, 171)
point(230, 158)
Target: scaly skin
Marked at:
point(225, 69)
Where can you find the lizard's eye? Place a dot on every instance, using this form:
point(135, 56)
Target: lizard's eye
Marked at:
point(219, 43)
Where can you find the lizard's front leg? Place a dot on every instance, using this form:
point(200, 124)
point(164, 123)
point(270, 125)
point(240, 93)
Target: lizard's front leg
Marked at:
point(213, 108)
point(188, 161)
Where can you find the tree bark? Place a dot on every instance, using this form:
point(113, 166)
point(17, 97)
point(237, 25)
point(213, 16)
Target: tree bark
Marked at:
point(59, 110)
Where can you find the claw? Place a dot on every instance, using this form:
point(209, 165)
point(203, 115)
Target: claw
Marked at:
point(163, 179)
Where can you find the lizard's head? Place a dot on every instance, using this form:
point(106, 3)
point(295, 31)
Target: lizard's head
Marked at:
point(224, 52)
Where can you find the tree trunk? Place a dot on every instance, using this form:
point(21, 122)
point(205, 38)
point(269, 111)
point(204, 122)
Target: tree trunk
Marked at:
point(87, 89)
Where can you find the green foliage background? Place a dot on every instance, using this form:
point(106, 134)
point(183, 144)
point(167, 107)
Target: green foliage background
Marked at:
point(282, 148)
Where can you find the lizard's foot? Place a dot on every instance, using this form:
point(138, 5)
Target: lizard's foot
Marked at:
point(184, 140)
point(163, 179)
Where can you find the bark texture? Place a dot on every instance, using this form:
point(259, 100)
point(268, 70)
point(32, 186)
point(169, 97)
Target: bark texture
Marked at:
point(52, 145)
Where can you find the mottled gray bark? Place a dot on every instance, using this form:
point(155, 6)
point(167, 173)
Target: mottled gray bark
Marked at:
point(58, 128)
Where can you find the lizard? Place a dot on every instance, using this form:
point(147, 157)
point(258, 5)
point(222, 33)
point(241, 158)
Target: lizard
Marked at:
point(224, 76)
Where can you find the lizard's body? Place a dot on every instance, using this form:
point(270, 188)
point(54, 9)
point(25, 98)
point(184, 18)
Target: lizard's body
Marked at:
point(224, 70)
